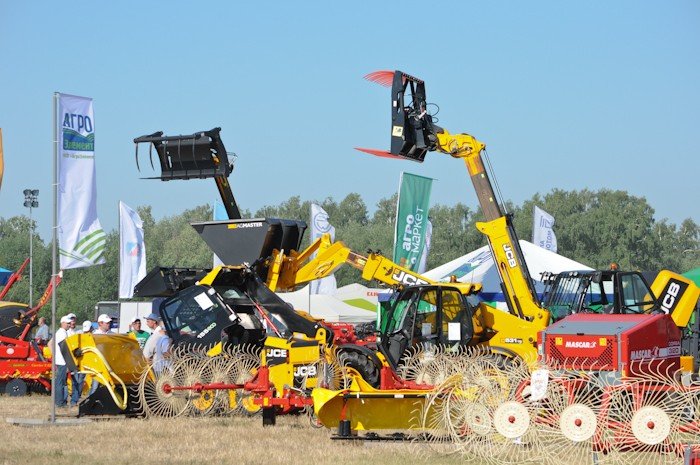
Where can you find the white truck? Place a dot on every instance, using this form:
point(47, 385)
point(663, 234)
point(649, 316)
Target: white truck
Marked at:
point(123, 312)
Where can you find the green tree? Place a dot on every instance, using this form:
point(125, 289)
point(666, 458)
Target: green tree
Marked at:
point(14, 249)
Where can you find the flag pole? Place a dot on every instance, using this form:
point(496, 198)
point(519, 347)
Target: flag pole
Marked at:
point(53, 255)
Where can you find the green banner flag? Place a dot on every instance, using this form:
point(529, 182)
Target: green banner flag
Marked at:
point(411, 220)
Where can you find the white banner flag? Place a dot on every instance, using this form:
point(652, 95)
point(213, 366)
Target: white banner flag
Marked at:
point(426, 248)
point(81, 238)
point(132, 251)
point(542, 232)
point(319, 226)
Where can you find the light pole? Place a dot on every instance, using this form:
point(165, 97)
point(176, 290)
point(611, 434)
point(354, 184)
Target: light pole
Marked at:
point(31, 200)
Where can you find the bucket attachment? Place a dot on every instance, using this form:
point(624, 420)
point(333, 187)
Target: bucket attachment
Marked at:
point(236, 242)
point(200, 155)
point(164, 282)
point(196, 156)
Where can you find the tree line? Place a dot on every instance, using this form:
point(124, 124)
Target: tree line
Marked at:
point(595, 228)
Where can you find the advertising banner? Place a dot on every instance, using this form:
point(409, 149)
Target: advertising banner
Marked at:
point(320, 225)
point(81, 238)
point(542, 230)
point(411, 220)
point(132, 251)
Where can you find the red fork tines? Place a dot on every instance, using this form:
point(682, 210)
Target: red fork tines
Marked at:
point(383, 78)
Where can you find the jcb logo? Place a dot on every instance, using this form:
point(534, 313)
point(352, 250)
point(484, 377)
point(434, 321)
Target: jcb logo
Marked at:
point(276, 353)
point(407, 279)
point(671, 295)
point(304, 371)
point(510, 255)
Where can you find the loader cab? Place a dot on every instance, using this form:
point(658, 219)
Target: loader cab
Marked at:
point(196, 315)
point(609, 291)
point(425, 314)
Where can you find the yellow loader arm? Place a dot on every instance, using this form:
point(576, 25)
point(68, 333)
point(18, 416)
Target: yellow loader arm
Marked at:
point(289, 271)
point(518, 290)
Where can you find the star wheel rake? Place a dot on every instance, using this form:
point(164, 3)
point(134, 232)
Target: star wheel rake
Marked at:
point(430, 364)
point(480, 413)
point(567, 407)
point(238, 365)
point(644, 417)
point(156, 397)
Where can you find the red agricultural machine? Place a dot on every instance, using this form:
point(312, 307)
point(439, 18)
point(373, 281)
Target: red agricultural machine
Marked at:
point(22, 362)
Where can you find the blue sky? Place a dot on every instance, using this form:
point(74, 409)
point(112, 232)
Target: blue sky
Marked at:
point(566, 95)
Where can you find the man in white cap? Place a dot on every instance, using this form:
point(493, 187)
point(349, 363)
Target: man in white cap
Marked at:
point(149, 349)
point(104, 325)
point(87, 326)
point(61, 374)
point(72, 325)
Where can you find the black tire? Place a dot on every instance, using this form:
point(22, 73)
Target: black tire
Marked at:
point(16, 388)
point(369, 371)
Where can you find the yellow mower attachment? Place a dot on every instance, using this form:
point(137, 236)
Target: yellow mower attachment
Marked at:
point(367, 408)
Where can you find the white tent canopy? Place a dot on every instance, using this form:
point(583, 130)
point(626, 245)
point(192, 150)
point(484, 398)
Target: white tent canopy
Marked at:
point(478, 267)
point(335, 307)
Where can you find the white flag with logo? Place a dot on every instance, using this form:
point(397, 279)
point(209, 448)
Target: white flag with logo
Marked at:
point(319, 226)
point(81, 239)
point(132, 251)
point(542, 230)
point(426, 248)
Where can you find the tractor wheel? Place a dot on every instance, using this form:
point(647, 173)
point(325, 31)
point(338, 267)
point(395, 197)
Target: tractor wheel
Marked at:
point(16, 388)
point(363, 365)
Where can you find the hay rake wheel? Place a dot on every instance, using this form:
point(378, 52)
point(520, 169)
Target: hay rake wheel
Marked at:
point(644, 417)
point(240, 364)
point(216, 371)
point(435, 417)
point(461, 414)
point(690, 418)
point(192, 368)
point(154, 397)
point(426, 364)
point(331, 371)
point(567, 417)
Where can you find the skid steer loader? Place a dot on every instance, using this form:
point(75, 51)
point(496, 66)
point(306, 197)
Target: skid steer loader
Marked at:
point(211, 311)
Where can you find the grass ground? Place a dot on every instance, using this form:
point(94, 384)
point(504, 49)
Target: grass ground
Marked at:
point(197, 441)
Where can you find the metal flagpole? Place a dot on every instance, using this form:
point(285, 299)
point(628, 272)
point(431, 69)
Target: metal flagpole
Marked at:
point(53, 255)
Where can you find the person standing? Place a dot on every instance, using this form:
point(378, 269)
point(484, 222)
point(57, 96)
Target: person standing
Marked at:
point(71, 327)
point(162, 351)
point(61, 375)
point(87, 327)
point(76, 379)
point(149, 349)
point(42, 331)
point(141, 335)
point(104, 325)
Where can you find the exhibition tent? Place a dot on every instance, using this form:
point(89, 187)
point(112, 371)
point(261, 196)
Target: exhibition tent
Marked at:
point(478, 267)
point(4, 276)
point(354, 303)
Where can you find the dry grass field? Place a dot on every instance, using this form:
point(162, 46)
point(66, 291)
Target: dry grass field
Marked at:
point(196, 441)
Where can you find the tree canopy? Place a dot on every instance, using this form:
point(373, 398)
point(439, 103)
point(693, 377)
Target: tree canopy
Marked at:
point(592, 227)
